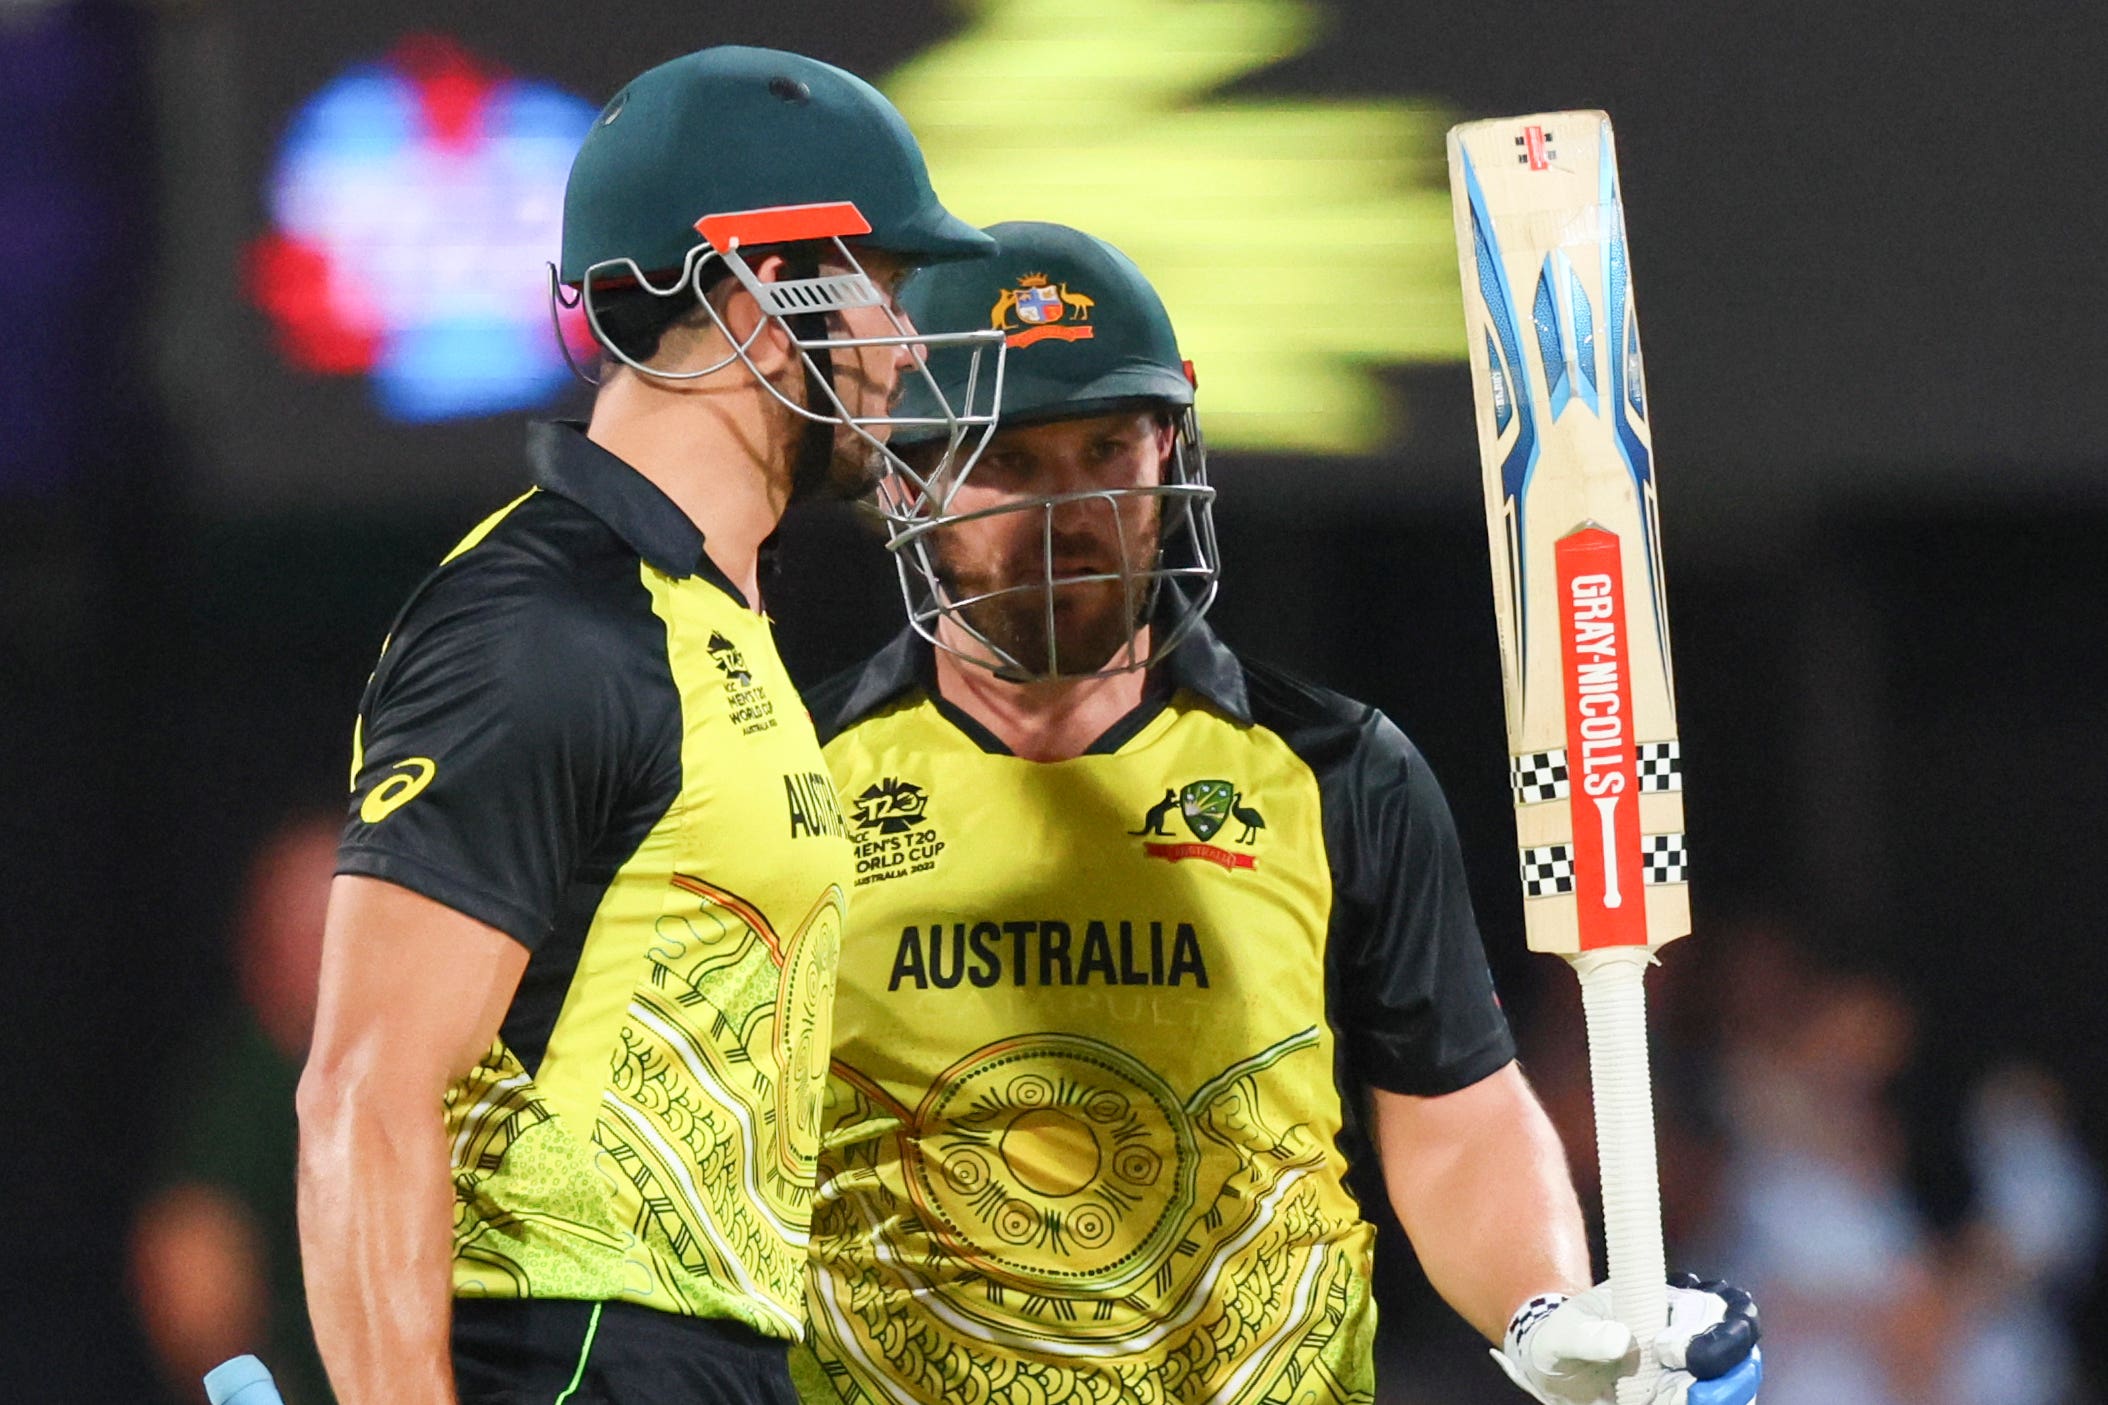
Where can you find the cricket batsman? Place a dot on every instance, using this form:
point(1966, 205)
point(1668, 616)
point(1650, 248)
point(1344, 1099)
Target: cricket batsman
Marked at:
point(1146, 942)
point(560, 1114)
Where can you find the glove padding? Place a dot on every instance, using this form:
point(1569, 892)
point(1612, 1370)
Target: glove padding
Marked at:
point(1571, 1351)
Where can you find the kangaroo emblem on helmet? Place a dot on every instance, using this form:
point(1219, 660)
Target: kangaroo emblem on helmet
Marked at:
point(1039, 303)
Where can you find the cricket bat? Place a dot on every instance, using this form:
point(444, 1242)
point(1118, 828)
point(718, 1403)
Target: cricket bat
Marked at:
point(1594, 761)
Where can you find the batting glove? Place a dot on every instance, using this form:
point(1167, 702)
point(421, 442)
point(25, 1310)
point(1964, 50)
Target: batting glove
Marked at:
point(1571, 1351)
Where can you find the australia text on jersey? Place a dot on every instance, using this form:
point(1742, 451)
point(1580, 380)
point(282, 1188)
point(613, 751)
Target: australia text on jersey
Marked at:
point(809, 797)
point(1049, 952)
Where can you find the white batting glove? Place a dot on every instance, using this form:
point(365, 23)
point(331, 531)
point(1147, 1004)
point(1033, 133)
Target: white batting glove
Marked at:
point(1571, 1351)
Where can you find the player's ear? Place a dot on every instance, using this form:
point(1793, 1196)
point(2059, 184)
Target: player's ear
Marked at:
point(766, 342)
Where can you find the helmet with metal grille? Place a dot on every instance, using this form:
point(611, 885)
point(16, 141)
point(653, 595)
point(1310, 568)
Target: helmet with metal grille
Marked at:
point(1086, 337)
point(702, 162)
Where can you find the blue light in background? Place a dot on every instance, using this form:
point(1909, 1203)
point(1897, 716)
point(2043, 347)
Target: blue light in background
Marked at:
point(414, 203)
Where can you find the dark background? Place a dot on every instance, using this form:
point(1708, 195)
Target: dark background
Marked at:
point(1868, 247)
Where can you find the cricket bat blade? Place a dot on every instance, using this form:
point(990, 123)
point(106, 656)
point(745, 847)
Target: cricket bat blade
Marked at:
point(1574, 527)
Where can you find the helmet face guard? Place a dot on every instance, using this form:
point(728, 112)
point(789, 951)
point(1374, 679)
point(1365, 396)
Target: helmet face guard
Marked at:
point(1166, 592)
point(801, 309)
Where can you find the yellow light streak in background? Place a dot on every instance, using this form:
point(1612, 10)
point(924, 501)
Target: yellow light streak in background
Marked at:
point(1301, 244)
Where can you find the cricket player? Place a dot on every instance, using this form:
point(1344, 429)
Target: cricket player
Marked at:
point(559, 1119)
point(1146, 941)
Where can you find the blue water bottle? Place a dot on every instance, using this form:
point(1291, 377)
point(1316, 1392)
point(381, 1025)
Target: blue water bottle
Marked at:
point(241, 1381)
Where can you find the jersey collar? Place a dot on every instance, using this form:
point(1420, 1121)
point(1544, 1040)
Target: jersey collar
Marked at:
point(565, 462)
point(1201, 664)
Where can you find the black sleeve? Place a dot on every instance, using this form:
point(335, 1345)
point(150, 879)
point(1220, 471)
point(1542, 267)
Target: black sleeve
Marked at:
point(1415, 1003)
point(492, 747)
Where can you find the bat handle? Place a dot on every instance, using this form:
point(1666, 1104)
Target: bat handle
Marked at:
point(1614, 999)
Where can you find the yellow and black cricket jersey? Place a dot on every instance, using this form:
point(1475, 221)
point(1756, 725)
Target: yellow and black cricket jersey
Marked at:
point(1101, 1030)
point(580, 734)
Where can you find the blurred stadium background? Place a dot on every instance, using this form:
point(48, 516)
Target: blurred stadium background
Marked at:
point(273, 312)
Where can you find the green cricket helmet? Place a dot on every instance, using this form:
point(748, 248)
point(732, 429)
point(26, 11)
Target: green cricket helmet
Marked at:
point(1085, 335)
point(697, 164)
point(736, 131)
point(1084, 328)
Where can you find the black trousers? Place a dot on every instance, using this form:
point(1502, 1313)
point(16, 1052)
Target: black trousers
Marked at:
point(530, 1352)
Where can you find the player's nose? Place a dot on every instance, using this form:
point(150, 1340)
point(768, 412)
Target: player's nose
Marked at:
point(1088, 515)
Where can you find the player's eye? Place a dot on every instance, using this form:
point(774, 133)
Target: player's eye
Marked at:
point(888, 274)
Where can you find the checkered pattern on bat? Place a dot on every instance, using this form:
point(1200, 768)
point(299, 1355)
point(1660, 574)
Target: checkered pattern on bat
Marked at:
point(1548, 871)
point(1538, 776)
point(1662, 858)
point(1661, 766)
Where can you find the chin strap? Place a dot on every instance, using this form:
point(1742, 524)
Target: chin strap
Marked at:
point(809, 474)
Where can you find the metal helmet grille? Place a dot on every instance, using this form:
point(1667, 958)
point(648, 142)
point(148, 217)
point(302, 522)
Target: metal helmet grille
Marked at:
point(784, 305)
point(832, 292)
point(1166, 594)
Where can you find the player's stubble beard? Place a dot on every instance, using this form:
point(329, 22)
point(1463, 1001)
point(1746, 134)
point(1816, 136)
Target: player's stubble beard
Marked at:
point(855, 464)
point(1094, 620)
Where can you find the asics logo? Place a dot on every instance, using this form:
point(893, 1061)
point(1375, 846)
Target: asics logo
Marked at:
point(407, 782)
